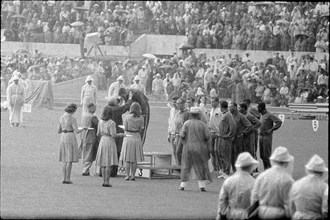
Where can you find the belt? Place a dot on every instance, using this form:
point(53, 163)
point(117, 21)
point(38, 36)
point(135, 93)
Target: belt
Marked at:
point(65, 131)
point(132, 131)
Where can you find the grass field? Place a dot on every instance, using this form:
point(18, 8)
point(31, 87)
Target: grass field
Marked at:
point(31, 174)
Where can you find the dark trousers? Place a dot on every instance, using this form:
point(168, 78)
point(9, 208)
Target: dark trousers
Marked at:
point(236, 150)
point(265, 147)
point(215, 159)
point(225, 146)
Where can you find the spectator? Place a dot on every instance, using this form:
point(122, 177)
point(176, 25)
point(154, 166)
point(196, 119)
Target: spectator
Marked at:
point(306, 202)
point(277, 180)
point(235, 193)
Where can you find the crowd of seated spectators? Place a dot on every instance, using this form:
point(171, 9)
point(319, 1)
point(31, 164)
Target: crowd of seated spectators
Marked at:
point(300, 26)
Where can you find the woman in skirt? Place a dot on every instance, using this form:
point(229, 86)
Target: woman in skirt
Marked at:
point(107, 152)
point(68, 143)
point(132, 151)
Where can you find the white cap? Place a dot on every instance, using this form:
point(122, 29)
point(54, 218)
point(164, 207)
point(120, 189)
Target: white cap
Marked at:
point(281, 154)
point(245, 159)
point(89, 78)
point(136, 78)
point(120, 78)
point(316, 163)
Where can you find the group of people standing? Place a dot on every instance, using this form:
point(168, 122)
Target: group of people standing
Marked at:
point(116, 138)
point(228, 137)
point(233, 129)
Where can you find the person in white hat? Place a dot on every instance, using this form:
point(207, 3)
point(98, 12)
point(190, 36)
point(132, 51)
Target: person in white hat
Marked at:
point(15, 99)
point(194, 153)
point(137, 85)
point(115, 86)
point(157, 86)
point(234, 197)
point(143, 74)
point(272, 186)
point(306, 194)
point(88, 94)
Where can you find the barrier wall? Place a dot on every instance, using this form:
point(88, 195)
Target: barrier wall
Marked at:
point(154, 44)
point(69, 50)
point(71, 87)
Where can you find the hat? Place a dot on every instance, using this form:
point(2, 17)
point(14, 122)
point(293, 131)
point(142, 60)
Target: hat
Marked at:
point(245, 159)
point(316, 163)
point(17, 73)
point(194, 110)
point(15, 77)
point(120, 78)
point(89, 78)
point(199, 91)
point(281, 154)
point(136, 78)
point(322, 65)
point(158, 75)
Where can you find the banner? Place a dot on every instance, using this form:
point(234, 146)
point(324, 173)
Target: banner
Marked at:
point(39, 94)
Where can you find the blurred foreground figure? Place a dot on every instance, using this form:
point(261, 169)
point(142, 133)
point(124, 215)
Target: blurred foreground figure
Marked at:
point(272, 186)
point(235, 194)
point(308, 196)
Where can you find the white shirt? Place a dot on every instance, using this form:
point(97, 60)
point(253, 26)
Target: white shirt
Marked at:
point(215, 115)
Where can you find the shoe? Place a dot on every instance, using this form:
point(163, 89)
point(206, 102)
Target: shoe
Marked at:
point(203, 189)
point(67, 182)
point(127, 178)
point(63, 182)
point(85, 174)
point(133, 179)
point(181, 188)
point(106, 185)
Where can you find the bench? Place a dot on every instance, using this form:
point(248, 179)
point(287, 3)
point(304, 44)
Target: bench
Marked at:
point(157, 165)
point(310, 110)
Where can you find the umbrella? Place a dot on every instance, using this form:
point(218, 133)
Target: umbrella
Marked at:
point(81, 8)
point(185, 46)
point(264, 3)
point(77, 24)
point(18, 16)
point(283, 3)
point(149, 55)
point(22, 52)
point(121, 11)
point(165, 66)
point(282, 22)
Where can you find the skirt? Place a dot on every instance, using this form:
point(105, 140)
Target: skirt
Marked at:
point(107, 152)
point(132, 148)
point(68, 148)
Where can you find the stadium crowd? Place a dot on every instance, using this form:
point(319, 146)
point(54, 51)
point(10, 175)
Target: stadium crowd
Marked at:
point(277, 81)
point(299, 26)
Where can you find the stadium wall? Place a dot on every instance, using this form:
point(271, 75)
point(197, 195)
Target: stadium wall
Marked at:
point(71, 87)
point(154, 44)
